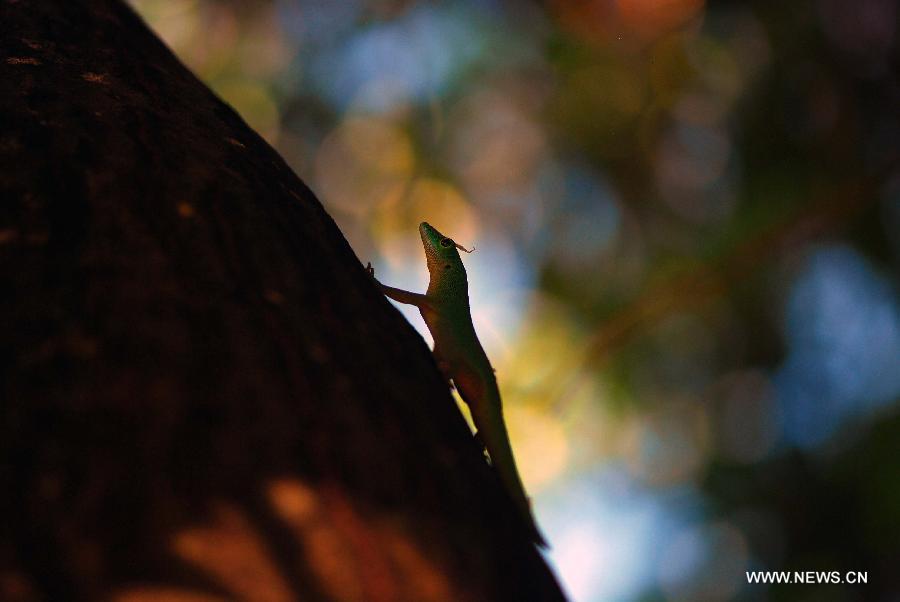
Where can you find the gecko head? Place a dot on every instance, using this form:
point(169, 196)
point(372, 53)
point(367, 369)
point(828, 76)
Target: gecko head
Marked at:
point(441, 252)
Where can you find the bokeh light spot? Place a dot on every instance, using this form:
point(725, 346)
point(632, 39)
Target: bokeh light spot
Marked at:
point(843, 331)
point(254, 103)
point(749, 420)
point(705, 562)
point(670, 445)
point(495, 145)
point(540, 445)
point(363, 162)
point(231, 551)
point(652, 17)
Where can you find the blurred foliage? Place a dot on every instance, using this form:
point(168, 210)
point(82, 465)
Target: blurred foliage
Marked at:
point(686, 217)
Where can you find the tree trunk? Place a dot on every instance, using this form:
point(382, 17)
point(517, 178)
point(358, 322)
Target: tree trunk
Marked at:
point(204, 395)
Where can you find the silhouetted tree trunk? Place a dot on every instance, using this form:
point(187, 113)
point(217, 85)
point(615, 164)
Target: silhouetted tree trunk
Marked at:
point(203, 392)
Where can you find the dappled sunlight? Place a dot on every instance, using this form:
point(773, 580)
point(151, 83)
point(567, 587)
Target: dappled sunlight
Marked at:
point(325, 551)
point(233, 553)
point(350, 555)
point(162, 594)
point(356, 557)
point(422, 579)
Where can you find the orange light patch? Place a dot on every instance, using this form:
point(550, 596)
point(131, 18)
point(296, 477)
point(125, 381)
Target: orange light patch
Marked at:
point(163, 594)
point(22, 60)
point(233, 552)
point(185, 210)
point(96, 78)
point(653, 17)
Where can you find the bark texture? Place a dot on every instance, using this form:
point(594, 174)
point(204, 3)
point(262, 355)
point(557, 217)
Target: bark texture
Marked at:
point(204, 395)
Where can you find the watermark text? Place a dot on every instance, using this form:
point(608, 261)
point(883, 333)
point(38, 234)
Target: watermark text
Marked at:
point(794, 577)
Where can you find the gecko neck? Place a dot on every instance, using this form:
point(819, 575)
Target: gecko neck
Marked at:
point(449, 288)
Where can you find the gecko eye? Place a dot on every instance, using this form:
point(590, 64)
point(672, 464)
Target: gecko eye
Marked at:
point(446, 242)
point(447, 267)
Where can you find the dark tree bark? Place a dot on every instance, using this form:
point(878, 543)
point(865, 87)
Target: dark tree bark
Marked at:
point(203, 392)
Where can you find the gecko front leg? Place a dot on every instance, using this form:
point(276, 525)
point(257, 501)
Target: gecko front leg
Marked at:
point(398, 294)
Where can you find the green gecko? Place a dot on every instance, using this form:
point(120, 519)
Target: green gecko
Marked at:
point(461, 358)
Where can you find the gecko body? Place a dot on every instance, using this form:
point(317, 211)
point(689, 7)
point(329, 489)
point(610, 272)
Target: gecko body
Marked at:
point(461, 358)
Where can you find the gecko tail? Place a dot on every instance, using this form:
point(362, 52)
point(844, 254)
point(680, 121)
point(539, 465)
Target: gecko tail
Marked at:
point(540, 541)
point(527, 520)
point(535, 532)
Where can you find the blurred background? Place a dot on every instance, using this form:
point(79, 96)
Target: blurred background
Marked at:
point(686, 216)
